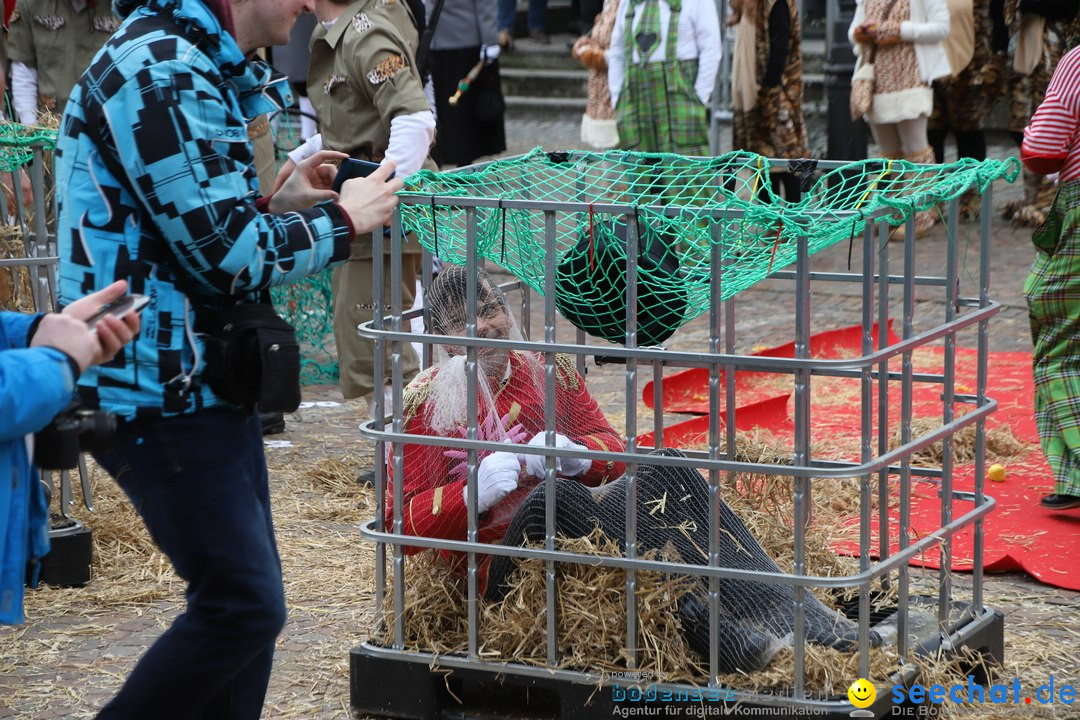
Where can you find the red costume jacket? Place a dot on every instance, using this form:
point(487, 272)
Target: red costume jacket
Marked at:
point(434, 502)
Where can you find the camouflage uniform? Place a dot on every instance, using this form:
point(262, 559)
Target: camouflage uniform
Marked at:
point(362, 74)
point(59, 42)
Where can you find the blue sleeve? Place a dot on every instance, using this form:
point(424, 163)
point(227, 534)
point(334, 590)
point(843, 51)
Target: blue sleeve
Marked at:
point(186, 152)
point(35, 383)
point(14, 327)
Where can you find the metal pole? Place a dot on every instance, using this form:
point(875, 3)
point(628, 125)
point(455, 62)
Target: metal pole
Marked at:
point(631, 435)
point(802, 453)
point(550, 580)
point(906, 408)
point(716, 328)
point(397, 369)
point(948, 397)
point(866, 381)
point(472, 420)
point(720, 107)
point(980, 427)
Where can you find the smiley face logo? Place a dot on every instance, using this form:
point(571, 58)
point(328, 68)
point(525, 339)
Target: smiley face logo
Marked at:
point(862, 693)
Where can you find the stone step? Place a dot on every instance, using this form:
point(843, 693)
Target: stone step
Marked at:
point(519, 105)
point(539, 82)
point(554, 55)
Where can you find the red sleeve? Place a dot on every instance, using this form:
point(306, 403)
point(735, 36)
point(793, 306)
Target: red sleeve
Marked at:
point(434, 506)
point(588, 426)
point(1041, 165)
point(1051, 135)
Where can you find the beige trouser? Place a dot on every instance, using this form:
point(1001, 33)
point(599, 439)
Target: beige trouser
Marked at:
point(351, 284)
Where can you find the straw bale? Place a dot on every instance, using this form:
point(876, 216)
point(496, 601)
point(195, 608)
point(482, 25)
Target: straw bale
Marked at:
point(16, 288)
point(1001, 444)
point(591, 612)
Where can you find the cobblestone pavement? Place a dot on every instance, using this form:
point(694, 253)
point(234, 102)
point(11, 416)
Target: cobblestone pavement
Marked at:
point(76, 649)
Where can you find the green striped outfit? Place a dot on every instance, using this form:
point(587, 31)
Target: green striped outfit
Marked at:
point(1053, 295)
point(658, 109)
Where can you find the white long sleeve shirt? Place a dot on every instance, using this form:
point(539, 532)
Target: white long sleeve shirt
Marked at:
point(410, 136)
point(24, 92)
point(698, 38)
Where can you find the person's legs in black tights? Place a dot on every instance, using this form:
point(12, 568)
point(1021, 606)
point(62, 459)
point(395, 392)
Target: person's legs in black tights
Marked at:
point(672, 509)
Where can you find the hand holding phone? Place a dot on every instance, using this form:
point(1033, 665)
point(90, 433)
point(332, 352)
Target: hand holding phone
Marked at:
point(120, 307)
point(111, 334)
point(369, 201)
point(351, 168)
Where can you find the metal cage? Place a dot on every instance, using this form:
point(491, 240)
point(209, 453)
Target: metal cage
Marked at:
point(887, 287)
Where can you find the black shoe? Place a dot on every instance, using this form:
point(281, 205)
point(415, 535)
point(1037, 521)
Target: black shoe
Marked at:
point(1060, 502)
point(272, 423)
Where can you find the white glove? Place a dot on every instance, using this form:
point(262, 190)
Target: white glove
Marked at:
point(496, 476)
point(489, 53)
point(568, 466)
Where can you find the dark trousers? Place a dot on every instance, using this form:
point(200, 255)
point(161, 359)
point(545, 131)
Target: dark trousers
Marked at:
point(535, 20)
point(200, 484)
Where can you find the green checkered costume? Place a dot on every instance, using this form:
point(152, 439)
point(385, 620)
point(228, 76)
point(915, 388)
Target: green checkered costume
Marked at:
point(658, 109)
point(1053, 295)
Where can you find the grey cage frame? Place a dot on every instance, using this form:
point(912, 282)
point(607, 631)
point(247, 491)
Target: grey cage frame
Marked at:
point(956, 624)
point(41, 262)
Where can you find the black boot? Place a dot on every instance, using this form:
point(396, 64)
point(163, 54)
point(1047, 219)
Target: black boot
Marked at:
point(1060, 502)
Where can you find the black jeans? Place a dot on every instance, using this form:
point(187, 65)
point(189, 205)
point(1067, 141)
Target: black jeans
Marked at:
point(200, 484)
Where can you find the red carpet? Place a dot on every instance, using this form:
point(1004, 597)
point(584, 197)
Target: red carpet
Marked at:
point(688, 391)
point(1018, 534)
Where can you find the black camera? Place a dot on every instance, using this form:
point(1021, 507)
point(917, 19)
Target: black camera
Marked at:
point(73, 431)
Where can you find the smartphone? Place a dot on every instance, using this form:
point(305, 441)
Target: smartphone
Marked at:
point(350, 169)
point(121, 307)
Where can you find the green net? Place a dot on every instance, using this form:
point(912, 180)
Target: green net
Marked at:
point(679, 208)
point(17, 142)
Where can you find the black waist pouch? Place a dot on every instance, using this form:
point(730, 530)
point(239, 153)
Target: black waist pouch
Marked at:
point(253, 358)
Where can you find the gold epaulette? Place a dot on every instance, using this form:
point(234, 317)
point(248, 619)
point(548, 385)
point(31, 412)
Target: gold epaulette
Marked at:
point(567, 376)
point(415, 394)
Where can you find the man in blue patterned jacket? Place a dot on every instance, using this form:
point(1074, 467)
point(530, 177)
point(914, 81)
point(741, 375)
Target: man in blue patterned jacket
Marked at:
point(159, 188)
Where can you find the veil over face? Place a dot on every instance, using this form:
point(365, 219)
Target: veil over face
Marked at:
point(447, 300)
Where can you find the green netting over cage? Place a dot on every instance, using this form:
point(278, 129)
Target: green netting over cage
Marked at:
point(16, 142)
point(678, 208)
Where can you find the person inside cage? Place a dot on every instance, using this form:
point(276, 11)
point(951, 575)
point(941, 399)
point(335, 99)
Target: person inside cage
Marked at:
point(755, 619)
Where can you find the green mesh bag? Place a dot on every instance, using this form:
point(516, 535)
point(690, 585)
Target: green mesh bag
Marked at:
point(590, 283)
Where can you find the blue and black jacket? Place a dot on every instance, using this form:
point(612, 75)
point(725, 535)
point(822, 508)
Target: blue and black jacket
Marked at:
point(156, 180)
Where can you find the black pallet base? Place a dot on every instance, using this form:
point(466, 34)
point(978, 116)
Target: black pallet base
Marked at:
point(389, 685)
